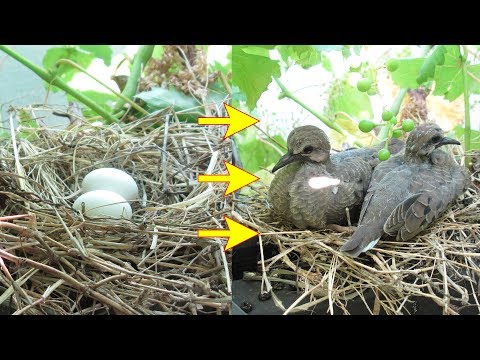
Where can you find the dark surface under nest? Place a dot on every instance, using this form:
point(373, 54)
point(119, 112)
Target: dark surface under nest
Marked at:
point(57, 262)
point(439, 270)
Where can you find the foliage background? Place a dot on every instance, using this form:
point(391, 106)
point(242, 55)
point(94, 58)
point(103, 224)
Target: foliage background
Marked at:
point(324, 78)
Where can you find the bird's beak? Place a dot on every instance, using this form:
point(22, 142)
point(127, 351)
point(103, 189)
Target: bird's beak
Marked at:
point(446, 141)
point(285, 160)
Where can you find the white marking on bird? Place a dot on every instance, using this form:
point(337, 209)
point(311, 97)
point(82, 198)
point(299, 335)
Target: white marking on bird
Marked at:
point(320, 182)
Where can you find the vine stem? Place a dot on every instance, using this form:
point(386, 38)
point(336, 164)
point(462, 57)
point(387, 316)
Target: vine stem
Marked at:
point(51, 79)
point(141, 58)
point(288, 94)
point(395, 108)
point(78, 67)
point(466, 99)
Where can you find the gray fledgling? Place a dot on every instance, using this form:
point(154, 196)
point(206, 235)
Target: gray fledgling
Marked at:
point(409, 191)
point(312, 188)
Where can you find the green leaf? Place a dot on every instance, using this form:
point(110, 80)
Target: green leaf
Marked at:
point(304, 55)
point(159, 98)
point(104, 100)
point(103, 52)
point(346, 52)
point(65, 71)
point(259, 50)
point(357, 49)
point(25, 119)
point(237, 96)
point(427, 70)
point(27, 123)
point(256, 154)
point(158, 52)
point(346, 98)
point(473, 76)
point(328, 47)
point(4, 134)
point(458, 133)
point(216, 94)
point(449, 76)
point(252, 73)
point(224, 68)
point(406, 74)
point(326, 63)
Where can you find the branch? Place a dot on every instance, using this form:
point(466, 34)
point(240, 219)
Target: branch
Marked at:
point(51, 79)
point(286, 93)
point(139, 61)
point(78, 67)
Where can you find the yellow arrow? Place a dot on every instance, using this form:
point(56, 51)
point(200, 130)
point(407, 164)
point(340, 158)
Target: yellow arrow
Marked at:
point(236, 233)
point(236, 120)
point(236, 178)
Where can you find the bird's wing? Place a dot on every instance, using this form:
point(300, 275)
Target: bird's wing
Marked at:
point(434, 190)
point(378, 174)
point(381, 200)
point(278, 193)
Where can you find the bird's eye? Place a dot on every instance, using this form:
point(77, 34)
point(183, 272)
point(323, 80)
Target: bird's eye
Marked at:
point(436, 139)
point(308, 149)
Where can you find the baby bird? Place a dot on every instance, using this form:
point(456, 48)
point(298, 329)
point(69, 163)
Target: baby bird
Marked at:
point(313, 189)
point(409, 191)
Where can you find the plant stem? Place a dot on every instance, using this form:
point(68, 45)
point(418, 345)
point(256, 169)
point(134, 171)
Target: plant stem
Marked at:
point(53, 80)
point(76, 66)
point(395, 108)
point(466, 99)
point(286, 93)
point(141, 58)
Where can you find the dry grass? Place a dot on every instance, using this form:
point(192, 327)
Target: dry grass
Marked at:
point(441, 264)
point(58, 262)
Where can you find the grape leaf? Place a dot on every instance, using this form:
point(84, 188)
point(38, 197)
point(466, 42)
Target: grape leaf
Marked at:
point(103, 52)
point(252, 73)
point(346, 52)
point(328, 47)
point(427, 71)
point(304, 55)
point(256, 154)
point(65, 71)
point(473, 76)
point(159, 98)
point(458, 133)
point(357, 49)
point(259, 50)
point(406, 74)
point(326, 63)
point(448, 77)
point(105, 100)
point(346, 98)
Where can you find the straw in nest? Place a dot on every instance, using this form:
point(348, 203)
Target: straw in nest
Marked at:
point(441, 265)
point(58, 262)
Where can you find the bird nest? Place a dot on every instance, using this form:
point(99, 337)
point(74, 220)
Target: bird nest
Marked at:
point(55, 261)
point(439, 268)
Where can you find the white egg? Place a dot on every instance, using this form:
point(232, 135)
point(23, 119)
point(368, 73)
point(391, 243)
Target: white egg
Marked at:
point(103, 203)
point(112, 180)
